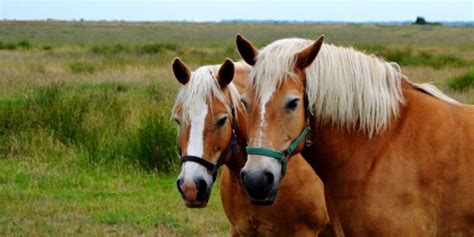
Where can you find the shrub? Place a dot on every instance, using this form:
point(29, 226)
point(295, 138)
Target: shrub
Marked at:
point(106, 49)
point(82, 67)
point(406, 56)
point(156, 48)
point(401, 56)
point(8, 45)
point(95, 120)
point(141, 49)
point(150, 48)
point(463, 82)
point(47, 47)
point(24, 44)
point(154, 144)
point(444, 60)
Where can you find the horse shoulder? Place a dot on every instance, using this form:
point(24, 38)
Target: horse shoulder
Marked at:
point(439, 137)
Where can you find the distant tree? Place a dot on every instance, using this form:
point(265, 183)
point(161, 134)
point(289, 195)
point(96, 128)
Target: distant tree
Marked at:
point(420, 21)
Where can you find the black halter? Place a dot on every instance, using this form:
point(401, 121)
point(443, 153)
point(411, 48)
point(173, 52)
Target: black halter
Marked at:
point(211, 167)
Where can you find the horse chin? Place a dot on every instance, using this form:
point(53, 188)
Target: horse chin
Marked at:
point(265, 202)
point(196, 204)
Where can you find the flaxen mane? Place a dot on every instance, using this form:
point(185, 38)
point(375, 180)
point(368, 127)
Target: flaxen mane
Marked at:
point(345, 88)
point(202, 88)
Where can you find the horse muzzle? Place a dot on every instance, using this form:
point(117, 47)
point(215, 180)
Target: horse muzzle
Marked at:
point(261, 187)
point(196, 193)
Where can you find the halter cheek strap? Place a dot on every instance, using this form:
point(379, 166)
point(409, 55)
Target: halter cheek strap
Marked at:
point(211, 167)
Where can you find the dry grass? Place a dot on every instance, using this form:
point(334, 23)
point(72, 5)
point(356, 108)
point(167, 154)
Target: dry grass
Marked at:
point(84, 116)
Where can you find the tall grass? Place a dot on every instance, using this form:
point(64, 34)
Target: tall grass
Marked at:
point(463, 82)
point(11, 45)
point(152, 48)
point(84, 115)
point(96, 120)
point(408, 56)
point(82, 67)
point(154, 143)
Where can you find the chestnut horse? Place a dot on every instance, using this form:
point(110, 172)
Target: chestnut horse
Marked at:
point(396, 158)
point(212, 133)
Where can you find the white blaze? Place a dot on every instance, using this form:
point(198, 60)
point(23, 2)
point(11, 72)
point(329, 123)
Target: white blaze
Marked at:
point(263, 102)
point(196, 144)
point(257, 163)
point(196, 134)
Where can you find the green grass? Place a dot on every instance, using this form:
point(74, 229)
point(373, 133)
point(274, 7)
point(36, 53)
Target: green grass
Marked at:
point(85, 117)
point(463, 82)
point(87, 146)
point(41, 197)
point(82, 67)
point(23, 44)
point(152, 48)
point(407, 56)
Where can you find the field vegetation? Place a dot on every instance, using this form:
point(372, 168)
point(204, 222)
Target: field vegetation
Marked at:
point(87, 146)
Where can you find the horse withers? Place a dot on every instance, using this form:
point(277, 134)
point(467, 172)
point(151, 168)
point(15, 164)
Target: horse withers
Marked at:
point(212, 133)
point(396, 158)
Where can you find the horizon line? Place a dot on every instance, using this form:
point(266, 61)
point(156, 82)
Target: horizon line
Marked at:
point(268, 21)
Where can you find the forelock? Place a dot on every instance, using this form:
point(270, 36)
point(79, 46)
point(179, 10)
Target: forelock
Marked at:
point(274, 63)
point(201, 90)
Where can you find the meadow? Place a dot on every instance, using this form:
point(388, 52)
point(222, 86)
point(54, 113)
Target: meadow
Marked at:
point(87, 146)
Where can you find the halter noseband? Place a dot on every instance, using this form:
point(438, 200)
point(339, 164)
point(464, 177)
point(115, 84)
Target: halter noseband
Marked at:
point(211, 167)
point(283, 155)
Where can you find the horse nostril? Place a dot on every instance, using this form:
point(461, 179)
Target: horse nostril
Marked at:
point(269, 177)
point(179, 183)
point(201, 185)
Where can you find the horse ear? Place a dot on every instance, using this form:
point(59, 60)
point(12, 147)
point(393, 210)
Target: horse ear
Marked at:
point(181, 71)
point(246, 50)
point(226, 73)
point(305, 57)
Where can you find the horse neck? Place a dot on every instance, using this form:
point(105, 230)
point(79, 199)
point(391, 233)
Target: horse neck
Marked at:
point(335, 148)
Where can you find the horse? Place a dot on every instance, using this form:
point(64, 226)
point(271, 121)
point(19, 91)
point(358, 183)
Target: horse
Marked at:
point(396, 158)
point(212, 124)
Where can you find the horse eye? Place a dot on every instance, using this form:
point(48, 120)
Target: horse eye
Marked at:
point(244, 101)
point(177, 121)
point(292, 104)
point(221, 122)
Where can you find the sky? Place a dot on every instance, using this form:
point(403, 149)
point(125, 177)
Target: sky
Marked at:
point(213, 10)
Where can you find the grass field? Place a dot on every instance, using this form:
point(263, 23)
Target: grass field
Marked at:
point(86, 143)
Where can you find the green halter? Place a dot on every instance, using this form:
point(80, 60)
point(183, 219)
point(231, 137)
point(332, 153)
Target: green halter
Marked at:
point(283, 155)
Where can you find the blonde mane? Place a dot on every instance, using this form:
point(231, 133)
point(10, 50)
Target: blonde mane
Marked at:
point(203, 88)
point(345, 88)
